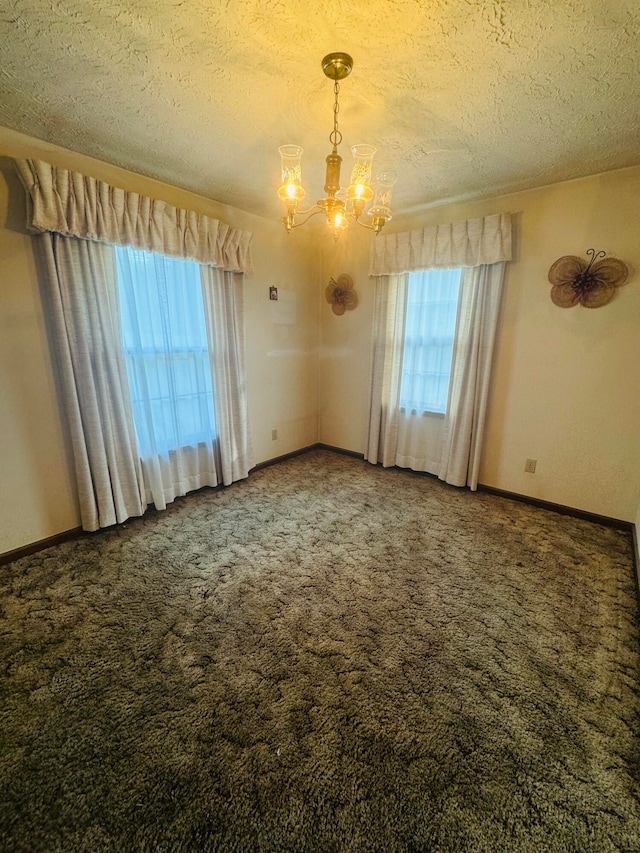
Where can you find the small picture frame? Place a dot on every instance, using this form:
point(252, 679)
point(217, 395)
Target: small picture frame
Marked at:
point(273, 293)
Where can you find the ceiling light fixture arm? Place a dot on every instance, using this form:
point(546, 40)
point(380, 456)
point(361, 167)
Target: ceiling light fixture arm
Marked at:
point(290, 223)
point(377, 224)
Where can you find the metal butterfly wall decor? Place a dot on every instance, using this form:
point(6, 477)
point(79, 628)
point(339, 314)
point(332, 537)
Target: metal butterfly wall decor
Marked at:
point(592, 285)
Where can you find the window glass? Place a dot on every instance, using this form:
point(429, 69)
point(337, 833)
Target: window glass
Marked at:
point(167, 354)
point(432, 306)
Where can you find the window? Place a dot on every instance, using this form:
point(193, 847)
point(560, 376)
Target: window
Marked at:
point(165, 341)
point(432, 306)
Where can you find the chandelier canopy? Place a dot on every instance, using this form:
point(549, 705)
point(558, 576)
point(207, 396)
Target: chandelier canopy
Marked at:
point(340, 204)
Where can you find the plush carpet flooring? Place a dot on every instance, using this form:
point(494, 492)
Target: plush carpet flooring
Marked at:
point(326, 657)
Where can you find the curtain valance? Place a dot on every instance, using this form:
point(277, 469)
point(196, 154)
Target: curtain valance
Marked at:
point(458, 244)
point(76, 205)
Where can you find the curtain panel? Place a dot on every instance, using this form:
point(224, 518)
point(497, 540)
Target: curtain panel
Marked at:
point(167, 356)
point(92, 377)
point(224, 314)
point(480, 297)
point(458, 244)
point(76, 205)
point(386, 367)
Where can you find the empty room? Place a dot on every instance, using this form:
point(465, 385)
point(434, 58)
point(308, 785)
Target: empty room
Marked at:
point(320, 426)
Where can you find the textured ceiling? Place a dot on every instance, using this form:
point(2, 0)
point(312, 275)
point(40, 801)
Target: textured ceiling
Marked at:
point(462, 98)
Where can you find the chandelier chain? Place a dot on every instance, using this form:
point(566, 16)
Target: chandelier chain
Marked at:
point(335, 137)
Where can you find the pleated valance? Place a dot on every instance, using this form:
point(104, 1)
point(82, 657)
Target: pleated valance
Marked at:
point(76, 205)
point(458, 244)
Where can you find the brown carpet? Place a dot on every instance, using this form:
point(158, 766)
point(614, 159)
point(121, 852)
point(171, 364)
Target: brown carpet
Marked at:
point(326, 657)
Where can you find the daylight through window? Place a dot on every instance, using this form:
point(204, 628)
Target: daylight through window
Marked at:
point(432, 306)
point(167, 355)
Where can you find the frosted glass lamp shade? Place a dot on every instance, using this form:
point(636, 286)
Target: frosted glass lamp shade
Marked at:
point(291, 189)
point(381, 207)
point(360, 183)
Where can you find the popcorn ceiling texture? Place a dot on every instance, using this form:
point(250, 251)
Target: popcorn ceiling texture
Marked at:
point(465, 98)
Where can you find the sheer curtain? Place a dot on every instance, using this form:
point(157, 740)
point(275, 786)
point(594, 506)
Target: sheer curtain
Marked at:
point(396, 434)
point(167, 355)
point(110, 361)
point(449, 447)
point(432, 306)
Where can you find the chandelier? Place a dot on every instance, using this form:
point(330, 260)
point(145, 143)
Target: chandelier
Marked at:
point(340, 204)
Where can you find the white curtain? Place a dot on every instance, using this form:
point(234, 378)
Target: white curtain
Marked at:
point(389, 315)
point(92, 376)
point(480, 296)
point(449, 447)
point(223, 304)
point(395, 436)
point(167, 354)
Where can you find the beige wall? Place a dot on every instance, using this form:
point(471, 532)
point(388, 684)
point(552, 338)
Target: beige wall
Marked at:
point(345, 343)
point(565, 381)
point(36, 487)
point(565, 384)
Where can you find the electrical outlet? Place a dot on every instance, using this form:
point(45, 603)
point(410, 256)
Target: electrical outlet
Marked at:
point(530, 466)
point(274, 435)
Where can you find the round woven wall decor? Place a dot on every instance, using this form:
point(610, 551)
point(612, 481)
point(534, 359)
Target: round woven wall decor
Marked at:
point(341, 295)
